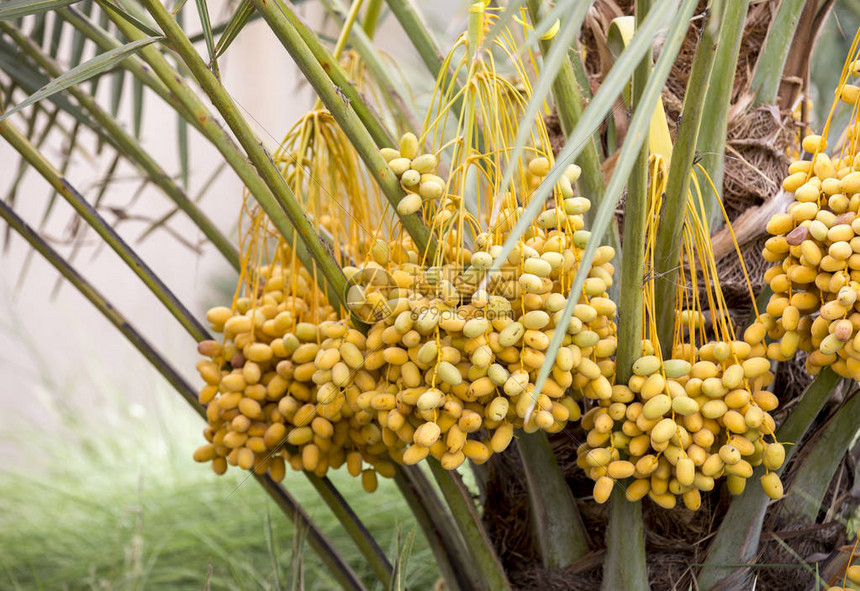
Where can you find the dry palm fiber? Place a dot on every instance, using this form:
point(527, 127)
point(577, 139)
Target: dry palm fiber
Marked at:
point(675, 540)
point(758, 139)
point(672, 538)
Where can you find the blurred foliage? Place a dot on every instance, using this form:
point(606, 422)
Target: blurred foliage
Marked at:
point(120, 505)
point(829, 53)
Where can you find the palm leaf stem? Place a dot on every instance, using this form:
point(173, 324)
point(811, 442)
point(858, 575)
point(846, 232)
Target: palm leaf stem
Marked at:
point(667, 250)
point(60, 184)
point(130, 148)
point(478, 545)
point(319, 542)
point(283, 213)
point(625, 567)
point(281, 20)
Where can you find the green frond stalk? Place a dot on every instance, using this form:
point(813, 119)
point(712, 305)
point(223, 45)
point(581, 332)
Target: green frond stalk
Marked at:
point(291, 508)
point(247, 138)
point(442, 534)
point(126, 145)
point(715, 114)
point(371, 17)
point(28, 79)
point(630, 311)
point(478, 545)
point(363, 45)
point(625, 567)
point(598, 109)
point(242, 15)
point(667, 251)
point(771, 61)
point(826, 452)
point(559, 530)
point(349, 20)
point(105, 41)
point(270, 191)
point(345, 90)
point(188, 102)
point(343, 112)
point(738, 537)
point(203, 12)
point(189, 106)
point(555, 519)
point(110, 312)
point(356, 530)
point(636, 136)
point(16, 9)
point(340, 570)
point(105, 231)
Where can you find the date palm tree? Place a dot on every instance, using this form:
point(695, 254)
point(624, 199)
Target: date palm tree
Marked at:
point(657, 105)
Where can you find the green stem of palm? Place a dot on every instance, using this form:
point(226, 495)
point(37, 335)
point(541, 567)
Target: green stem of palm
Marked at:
point(625, 567)
point(347, 91)
point(130, 148)
point(569, 105)
point(557, 524)
point(270, 191)
point(439, 528)
point(826, 453)
point(771, 62)
point(418, 34)
point(371, 17)
point(362, 538)
point(363, 45)
point(149, 72)
point(667, 251)
point(478, 545)
point(105, 231)
point(711, 145)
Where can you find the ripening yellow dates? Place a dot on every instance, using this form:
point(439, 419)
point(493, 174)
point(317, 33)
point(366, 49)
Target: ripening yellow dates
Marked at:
point(448, 351)
point(772, 485)
point(703, 421)
point(442, 364)
point(815, 270)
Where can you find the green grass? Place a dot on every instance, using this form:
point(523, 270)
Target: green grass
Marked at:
point(119, 504)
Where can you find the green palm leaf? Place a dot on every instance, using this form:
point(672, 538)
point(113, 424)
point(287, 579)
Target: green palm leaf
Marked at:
point(85, 71)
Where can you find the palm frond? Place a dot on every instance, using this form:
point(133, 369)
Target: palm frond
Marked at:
point(105, 230)
point(15, 9)
point(81, 73)
point(203, 12)
point(114, 133)
point(826, 451)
